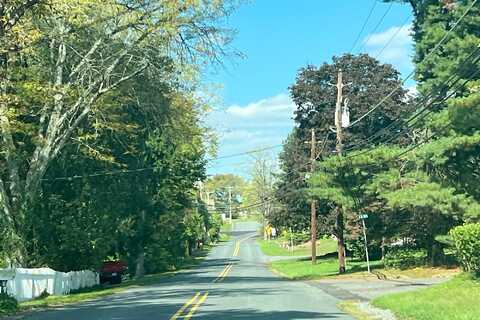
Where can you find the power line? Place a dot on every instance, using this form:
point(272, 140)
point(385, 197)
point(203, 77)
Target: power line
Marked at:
point(126, 171)
point(392, 138)
point(427, 108)
point(405, 23)
point(248, 152)
point(425, 111)
point(437, 46)
point(364, 25)
point(376, 26)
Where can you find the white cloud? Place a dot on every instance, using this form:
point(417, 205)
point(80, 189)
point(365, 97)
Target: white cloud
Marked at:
point(257, 116)
point(279, 103)
point(258, 124)
point(393, 46)
point(402, 37)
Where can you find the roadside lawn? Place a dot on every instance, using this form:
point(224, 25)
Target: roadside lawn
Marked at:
point(273, 248)
point(327, 266)
point(302, 269)
point(225, 231)
point(457, 299)
point(104, 290)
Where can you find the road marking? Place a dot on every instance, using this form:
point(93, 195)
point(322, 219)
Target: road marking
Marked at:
point(229, 267)
point(237, 249)
point(185, 306)
point(196, 305)
point(237, 246)
point(224, 273)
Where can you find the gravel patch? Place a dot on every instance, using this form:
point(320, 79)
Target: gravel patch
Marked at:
point(375, 313)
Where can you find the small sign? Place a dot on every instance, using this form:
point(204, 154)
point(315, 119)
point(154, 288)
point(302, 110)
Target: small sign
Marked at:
point(363, 216)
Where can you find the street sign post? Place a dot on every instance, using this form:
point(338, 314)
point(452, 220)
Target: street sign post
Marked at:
point(364, 216)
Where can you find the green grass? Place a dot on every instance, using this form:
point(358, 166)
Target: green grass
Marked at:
point(225, 231)
point(273, 248)
point(249, 218)
point(302, 269)
point(457, 299)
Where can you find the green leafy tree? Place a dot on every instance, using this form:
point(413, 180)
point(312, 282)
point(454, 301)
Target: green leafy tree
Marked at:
point(315, 95)
point(80, 52)
point(227, 190)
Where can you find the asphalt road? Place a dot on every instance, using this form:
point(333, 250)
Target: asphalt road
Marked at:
point(232, 283)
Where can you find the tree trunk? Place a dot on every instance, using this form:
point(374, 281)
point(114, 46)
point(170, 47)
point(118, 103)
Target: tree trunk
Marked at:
point(187, 248)
point(435, 254)
point(383, 249)
point(140, 265)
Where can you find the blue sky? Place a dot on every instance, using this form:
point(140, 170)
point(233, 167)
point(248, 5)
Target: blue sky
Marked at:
point(278, 38)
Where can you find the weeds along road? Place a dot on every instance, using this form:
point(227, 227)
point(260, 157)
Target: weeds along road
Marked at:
point(232, 283)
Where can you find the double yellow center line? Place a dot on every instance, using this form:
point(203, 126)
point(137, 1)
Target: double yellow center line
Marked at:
point(224, 273)
point(237, 249)
point(199, 298)
point(237, 246)
point(229, 267)
point(194, 302)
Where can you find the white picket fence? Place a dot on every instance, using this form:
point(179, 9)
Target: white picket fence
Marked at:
point(27, 284)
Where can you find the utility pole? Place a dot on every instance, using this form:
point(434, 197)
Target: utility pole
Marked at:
point(339, 148)
point(313, 204)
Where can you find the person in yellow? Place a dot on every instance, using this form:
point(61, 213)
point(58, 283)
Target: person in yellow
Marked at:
point(268, 232)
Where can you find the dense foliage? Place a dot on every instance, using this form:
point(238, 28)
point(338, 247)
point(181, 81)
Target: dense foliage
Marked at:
point(412, 165)
point(467, 244)
point(102, 140)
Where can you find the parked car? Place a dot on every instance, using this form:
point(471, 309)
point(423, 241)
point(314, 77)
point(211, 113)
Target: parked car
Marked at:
point(112, 271)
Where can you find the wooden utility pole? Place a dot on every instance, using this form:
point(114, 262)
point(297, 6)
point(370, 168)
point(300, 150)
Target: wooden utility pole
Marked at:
point(339, 147)
point(313, 205)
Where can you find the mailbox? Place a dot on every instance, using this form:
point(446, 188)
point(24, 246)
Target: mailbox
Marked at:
point(3, 286)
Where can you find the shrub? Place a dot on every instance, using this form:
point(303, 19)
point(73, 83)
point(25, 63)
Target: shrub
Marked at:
point(296, 237)
point(467, 246)
point(405, 257)
point(8, 304)
point(356, 248)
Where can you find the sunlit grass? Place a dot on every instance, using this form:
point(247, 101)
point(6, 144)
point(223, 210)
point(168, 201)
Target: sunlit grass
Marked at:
point(303, 269)
point(457, 299)
point(273, 248)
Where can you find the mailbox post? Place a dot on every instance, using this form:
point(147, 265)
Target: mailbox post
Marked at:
point(3, 286)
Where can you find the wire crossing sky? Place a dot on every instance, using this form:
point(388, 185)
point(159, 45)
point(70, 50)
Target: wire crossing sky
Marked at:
point(277, 39)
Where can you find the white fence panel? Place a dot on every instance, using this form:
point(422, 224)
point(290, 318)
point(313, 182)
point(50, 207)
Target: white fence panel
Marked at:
point(26, 284)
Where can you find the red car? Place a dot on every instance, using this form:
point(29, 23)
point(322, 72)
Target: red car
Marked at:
point(112, 271)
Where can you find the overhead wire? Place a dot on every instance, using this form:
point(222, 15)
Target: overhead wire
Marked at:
point(376, 26)
point(435, 48)
point(418, 115)
point(428, 103)
point(126, 171)
point(405, 23)
point(364, 25)
point(392, 138)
